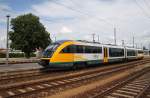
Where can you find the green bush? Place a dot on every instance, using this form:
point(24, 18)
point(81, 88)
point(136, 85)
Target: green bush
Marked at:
point(16, 55)
point(2, 55)
point(33, 55)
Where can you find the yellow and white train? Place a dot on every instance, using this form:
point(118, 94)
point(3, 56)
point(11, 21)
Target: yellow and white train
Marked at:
point(69, 53)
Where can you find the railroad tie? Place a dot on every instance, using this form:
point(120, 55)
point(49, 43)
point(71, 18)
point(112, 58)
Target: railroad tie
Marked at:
point(135, 86)
point(140, 84)
point(10, 93)
point(83, 77)
point(130, 89)
point(142, 80)
point(61, 82)
point(148, 96)
point(77, 79)
point(30, 88)
point(53, 83)
point(122, 95)
point(39, 86)
point(72, 79)
point(22, 90)
point(127, 92)
point(109, 97)
point(47, 85)
point(66, 80)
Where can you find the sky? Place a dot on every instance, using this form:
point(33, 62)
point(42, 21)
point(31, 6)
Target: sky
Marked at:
point(79, 19)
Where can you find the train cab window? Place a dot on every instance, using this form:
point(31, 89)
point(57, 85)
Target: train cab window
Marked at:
point(48, 52)
point(52, 47)
point(116, 52)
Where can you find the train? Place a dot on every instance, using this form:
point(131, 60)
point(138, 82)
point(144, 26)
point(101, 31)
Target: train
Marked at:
point(78, 53)
point(146, 53)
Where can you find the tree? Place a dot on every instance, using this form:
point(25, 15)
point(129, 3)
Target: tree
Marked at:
point(28, 34)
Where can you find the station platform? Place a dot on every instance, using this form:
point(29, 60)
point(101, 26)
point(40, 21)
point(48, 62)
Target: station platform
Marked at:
point(18, 67)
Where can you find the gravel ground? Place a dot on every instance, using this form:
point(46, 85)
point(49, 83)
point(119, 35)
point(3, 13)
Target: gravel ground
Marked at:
point(71, 93)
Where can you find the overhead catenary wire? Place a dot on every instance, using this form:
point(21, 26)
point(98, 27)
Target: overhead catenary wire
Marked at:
point(142, 9)
point(69, 7)
point(85, 13)
point(147, 3)
point(73, 9)
point(95, 17)
point(81, 12)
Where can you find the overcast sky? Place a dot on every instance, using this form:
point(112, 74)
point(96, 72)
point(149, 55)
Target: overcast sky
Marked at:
point(79, 19)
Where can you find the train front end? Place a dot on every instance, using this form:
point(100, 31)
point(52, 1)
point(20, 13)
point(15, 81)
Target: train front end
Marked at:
point(47, 54)
point(54, 57)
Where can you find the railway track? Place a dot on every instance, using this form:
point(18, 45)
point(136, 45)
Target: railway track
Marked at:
point(134, 86)
point(15, 74)
point(48, 84)
point(27, 75)
point(23, 73)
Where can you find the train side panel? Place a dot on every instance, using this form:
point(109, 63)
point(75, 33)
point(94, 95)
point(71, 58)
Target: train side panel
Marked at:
point(89, 58)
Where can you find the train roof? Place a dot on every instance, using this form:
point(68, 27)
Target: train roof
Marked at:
point(100, 44)
point(95, 44)
point(84, 42)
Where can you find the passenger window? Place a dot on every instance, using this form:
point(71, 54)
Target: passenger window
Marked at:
point(116, 52)
point(69, 49)
point(79, 49)
point(92, 49)
point(131, 52)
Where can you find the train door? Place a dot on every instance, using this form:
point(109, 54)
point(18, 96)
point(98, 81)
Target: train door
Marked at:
point(105, 54)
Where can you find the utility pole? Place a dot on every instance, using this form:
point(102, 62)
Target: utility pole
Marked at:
point(115, 35)
point(122, 42)
point(136, 45)
point(141, 46)
point(149, 48)
point(93, 37)
point(7, 41)
point(133, 41)
point(98, 38)
point(1, 44)
point(55, 38)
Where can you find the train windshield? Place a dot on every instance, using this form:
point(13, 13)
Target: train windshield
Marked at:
point(48, 52)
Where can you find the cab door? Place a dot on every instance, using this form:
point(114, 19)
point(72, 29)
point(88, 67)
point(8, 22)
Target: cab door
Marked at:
point(105, 54)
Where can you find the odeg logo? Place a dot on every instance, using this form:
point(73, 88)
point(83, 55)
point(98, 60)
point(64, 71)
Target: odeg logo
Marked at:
point(95, 56)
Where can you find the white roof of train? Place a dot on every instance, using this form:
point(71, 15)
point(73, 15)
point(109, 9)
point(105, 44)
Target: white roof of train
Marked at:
point(84, 42)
